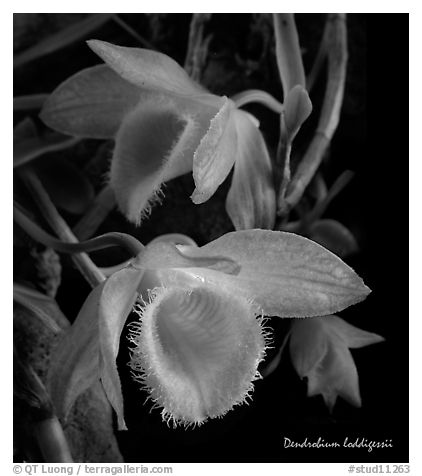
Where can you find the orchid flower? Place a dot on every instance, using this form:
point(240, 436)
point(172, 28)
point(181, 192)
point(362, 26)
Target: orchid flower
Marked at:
point(165, 125)
point(200, 334)
point(319, 349)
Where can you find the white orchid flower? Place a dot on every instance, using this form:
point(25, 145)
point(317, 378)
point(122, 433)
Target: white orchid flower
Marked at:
point(319, 349)
point(165, 125)
point(200, 336)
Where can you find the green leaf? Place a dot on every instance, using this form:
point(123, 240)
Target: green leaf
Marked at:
point(61, 39)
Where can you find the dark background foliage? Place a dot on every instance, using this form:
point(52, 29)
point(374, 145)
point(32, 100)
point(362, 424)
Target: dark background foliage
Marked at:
point(371, 140)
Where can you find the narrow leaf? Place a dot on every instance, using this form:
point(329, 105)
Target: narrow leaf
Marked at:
point(41, 305)
point(62, 38)
point(75, 361)
point(289, 58)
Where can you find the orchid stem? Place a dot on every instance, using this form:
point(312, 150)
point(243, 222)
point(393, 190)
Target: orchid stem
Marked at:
point(197, 46)
point(103, 204)
point(256, 95)
point(82, 261)
point(100, 242)
point(319, 59)
point(30, 101)
point(289, 58)
point(339, 184)
point(330, 114)
point(132, 32)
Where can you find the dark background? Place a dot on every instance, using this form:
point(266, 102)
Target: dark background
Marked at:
point(372, 140)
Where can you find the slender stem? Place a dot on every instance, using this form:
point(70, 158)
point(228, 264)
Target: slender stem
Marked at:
point(330, 114)
point(30, 101)
point(132, 32)
point(98, 243)
point(303, 226)
point(103, 204)
point(52, 441)
point(61, 39)
point(32, 148)
point(197, 46)
point(282, 169)
point(256, 95)
point(82, 261)
point(334, 190)
point(289, 58)
point(319, 59)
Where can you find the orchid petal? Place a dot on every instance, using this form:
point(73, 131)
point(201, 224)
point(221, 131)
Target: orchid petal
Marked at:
point(335, 375)
point(352, 336)
point(319, 351)
point(197, 351)
point(75, 361)
point(155, 143)
point(286, 274)
point(147, 69)
point(251, 199)
point(117, 299)
point(216, 154)
point(167, 255)
point(335, 236)
point(305, 334)
point(91, 103)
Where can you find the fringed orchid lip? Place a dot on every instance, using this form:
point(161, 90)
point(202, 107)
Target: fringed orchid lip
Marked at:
point(205, 305)
point(196, 351)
